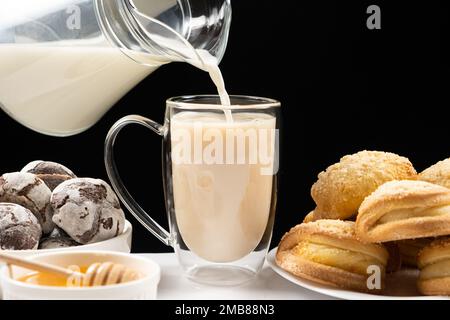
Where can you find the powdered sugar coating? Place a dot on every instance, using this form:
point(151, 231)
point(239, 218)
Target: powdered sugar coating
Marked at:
point(52, 173)
point(19, 228)
point(27, 190)
point(87, 210)
point(57, 239)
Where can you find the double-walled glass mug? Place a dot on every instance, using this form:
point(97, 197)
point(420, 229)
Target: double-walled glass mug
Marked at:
point(220, 177)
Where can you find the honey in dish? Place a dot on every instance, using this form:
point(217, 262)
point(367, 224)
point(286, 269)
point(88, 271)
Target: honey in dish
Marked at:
point(48, 279)
point(94, 276)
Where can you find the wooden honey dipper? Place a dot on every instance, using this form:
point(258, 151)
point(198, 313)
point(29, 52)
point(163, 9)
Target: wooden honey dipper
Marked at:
point(97, 274)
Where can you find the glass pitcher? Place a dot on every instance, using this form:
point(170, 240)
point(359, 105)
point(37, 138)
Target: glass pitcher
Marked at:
point(64, 63)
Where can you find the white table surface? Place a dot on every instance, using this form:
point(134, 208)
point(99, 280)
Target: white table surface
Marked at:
point(267, 285)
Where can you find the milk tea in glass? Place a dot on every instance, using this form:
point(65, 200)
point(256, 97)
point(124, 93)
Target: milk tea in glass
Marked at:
point(220, 167)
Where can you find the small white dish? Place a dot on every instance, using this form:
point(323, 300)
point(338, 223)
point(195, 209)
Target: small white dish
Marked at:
point(121, 243)
point(142, 289)
point(396, 278)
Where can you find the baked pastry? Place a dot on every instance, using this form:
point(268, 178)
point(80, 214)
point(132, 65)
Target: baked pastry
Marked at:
point(87, 210)
point(310, 217)
point(27, 190)
point(51, 173)
point(19, 228)
point(340, 190)
point(57, 239)
point(438, 173)
point(395, 260)
point(409, 249)
point(401, 210)
point(328, 252)
point(434, 265)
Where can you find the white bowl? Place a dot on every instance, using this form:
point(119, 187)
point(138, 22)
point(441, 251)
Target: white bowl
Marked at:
point(142, 289)
point(121, 243)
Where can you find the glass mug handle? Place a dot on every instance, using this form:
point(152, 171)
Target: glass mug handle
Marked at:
point(113, 174)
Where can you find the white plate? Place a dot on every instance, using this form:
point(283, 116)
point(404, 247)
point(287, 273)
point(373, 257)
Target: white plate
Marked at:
point(399, 279)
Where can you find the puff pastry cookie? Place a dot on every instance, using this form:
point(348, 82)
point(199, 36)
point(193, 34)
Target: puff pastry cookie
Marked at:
point(328, 252)
point(310, 217)
point(434, 265)
point(438, 173)
point(409, 249)
point(340, 190)
point(404, 210)
point(395, 260)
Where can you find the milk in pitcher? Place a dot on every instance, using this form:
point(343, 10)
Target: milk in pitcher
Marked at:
point(63, 90)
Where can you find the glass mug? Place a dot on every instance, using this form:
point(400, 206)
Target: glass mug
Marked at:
point(220, 177)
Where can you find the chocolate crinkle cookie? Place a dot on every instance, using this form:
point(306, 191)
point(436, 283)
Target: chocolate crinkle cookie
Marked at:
point(27, 190)
point(52, 173)
point(19, 228)
point(87, 210)
point(57, 239)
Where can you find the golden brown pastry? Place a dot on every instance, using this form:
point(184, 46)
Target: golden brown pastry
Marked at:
point(340, 189)
point(401, 210)
point(438, 173)
point(309, 217)
point(409, 249)
point(434, 265)
point(328, 252)
point(395, 260)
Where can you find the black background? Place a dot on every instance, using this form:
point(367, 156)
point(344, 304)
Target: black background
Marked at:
point(343, 88)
